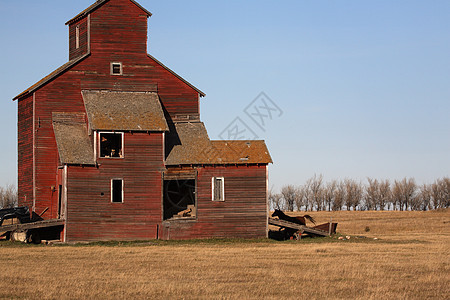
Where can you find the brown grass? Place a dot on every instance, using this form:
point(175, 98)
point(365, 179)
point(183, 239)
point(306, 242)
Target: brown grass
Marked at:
point(410, 260)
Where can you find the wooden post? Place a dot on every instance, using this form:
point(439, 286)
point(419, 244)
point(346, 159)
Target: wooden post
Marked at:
point(331, 224)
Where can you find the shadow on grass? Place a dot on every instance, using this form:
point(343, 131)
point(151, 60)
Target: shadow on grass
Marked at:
point(335, 239)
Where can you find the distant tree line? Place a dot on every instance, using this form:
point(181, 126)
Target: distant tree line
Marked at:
point(349, 194)
point(8, 196)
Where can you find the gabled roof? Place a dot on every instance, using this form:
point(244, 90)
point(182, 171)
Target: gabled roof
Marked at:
point(125, 111)
point(189, 144)
point(96, 5)
point(72, 139)
point(51, 76)
point(74, 61)
point(176, 75)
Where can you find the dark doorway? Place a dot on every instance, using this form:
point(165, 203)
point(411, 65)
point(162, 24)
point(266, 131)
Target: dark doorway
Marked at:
point(179, 199)
point(117, 190)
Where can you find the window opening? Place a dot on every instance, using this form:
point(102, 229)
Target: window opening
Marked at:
point(179, 199)
point(218, 189)
point(116, 190)
point(111, 144)
point(116, 68)
point(59, 200)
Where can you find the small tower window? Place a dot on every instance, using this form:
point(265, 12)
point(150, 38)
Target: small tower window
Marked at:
point(77, 37)
point(116, 68)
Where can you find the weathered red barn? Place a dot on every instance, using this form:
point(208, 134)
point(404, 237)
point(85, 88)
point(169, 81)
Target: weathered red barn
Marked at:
point(112, 143)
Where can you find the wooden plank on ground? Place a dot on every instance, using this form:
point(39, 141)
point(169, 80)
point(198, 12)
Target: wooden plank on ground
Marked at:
point(33, 225)
point(302, 228)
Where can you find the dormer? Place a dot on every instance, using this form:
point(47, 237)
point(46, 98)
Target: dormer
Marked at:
point(109, 27)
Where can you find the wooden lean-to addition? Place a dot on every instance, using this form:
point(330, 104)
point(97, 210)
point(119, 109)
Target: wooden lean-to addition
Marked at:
point(112, 143)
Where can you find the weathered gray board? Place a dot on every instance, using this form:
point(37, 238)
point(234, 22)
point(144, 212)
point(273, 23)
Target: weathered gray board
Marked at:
point(33, 225)
point(301, 228)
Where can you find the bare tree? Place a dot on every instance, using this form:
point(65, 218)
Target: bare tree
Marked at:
point(353, 194)
point(384, 193)
point(8, 196)
point(289, 193)
point(275, 200)
point(307, 195)
point(371, 195)
point(404, 192)
point(314, 192)
point(300, 197)
point(317, 192)
point(440, 191)
point(423, 199)
point(445, 183)
point(339, 196)
point(330, 194)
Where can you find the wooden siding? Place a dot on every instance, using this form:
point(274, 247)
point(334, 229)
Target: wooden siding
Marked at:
point(119, 27)
point(46, 157)
point(178, 99)
point(119, 34)
point(25, 151)
point(92, 216)
point(84, 39)
point(64, 95)
point(243, 214)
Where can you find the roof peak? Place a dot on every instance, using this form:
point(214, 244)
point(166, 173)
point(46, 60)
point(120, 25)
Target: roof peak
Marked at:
point(96, 5)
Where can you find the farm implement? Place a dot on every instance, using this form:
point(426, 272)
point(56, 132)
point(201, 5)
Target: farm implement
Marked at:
point(18, 224)
point(295, 227)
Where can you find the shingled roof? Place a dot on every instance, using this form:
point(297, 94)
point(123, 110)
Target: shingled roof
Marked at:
point(189, 144)
point(186, 143)
point(242, 152)
point(125, 111)
point(72, 139)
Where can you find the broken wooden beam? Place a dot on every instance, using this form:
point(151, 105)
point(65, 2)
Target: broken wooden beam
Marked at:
point(33, 225)
point(301, 228)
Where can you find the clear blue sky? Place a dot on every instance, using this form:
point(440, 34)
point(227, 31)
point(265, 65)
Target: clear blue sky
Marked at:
point(364, 86)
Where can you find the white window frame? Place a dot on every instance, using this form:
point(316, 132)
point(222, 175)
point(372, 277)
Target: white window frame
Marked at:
point(213, 183)
point(112, 189)
point(77, 37)
point(100, 144)
point(112, 68)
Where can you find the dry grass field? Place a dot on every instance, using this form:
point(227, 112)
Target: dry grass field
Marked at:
point(410, 259)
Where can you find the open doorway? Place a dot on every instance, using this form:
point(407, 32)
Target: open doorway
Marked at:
point(179, 199)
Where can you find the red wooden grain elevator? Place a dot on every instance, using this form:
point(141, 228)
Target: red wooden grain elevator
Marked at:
point(112, 143)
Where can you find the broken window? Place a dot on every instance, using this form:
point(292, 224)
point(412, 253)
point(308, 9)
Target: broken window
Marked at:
point(218, 189)
point(116, 68)
point(116, 190)
point(111, 144)
point(179, 199)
